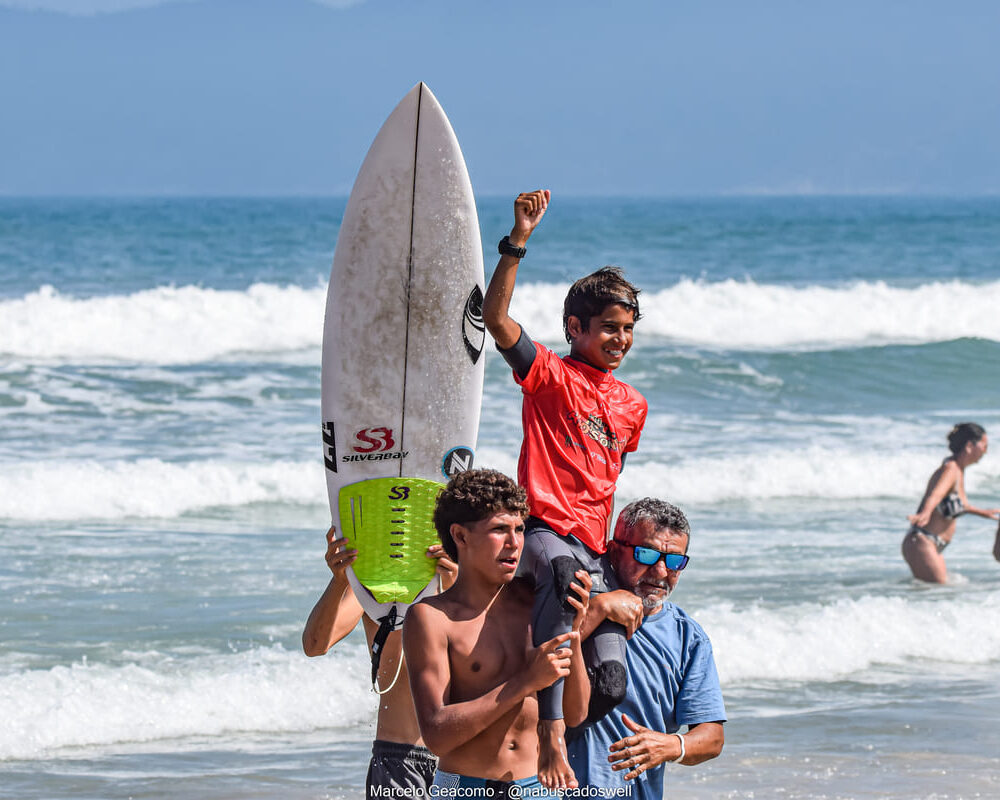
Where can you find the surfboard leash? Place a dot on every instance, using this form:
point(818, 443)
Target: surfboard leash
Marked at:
point(387, 625)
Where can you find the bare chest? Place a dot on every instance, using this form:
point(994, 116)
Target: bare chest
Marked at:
point(486, 652)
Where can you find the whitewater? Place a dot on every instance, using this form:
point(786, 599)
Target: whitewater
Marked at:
point(268, 320)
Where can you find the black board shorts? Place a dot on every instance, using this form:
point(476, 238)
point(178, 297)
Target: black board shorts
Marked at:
point(404, 770)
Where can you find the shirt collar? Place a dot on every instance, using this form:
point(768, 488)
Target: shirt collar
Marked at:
point(595, 374)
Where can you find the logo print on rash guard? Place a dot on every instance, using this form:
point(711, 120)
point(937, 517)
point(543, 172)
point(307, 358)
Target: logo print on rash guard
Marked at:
point(595, 428)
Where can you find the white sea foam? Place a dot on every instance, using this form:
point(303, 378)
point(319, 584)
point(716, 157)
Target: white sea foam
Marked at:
point(147, 488)
point(162, 697)
point(273, 690)
point(499, 459)
point(57, 490)
point(748, 315)
point(811, 472)
point(843, 638)
point(188, 324)
point(165, 325)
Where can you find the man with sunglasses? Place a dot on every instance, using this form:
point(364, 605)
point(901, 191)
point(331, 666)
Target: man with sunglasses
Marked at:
point(672, 679)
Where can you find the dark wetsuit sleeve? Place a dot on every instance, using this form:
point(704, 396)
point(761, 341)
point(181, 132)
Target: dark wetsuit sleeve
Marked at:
point(521, 356)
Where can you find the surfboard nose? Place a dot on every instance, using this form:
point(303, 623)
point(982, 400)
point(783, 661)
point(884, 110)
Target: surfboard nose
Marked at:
point(424, 98)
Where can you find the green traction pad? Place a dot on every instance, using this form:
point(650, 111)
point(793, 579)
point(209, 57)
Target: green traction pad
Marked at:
point(388, 520)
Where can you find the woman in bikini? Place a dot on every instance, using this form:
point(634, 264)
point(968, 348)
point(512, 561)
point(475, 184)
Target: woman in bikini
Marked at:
point(944, 501)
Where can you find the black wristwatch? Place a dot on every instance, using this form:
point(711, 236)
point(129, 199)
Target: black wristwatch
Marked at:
point(505, 248)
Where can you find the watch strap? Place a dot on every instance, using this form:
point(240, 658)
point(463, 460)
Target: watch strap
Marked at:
point(505, 248)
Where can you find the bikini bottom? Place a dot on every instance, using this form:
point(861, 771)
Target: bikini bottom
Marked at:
point(937, 541)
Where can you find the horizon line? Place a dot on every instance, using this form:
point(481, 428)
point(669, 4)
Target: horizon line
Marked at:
point(504, 195)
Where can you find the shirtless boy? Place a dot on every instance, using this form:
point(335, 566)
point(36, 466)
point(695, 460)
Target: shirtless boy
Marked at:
point(400, 761)
point(579, 422)
point(473, 670)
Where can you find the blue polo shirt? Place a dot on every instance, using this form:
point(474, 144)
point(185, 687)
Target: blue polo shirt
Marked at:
point(672, 681)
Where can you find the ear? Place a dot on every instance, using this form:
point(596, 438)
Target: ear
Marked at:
point(574, 326)
point(615, 553)
point(459, 534)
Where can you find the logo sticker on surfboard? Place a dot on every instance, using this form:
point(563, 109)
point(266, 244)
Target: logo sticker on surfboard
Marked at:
point(369, 444)
point(473, 327)
point(373, 440)
point(374, 444)
point(456, 460)
point(329, 446)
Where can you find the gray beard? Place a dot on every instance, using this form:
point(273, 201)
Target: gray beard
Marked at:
point(654, 602)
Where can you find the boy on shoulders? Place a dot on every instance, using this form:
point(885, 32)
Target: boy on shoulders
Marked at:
point(579, 422)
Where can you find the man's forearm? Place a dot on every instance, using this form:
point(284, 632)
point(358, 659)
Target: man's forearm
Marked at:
point(332, 618)
point(702, 742)
point(620, 606)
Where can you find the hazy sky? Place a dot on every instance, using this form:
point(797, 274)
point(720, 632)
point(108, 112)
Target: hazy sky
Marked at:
point(665, 97)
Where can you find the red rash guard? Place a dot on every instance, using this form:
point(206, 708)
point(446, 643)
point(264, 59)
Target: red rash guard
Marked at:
point(578, 421)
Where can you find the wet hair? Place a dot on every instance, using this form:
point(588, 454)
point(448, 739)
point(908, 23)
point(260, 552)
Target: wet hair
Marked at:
point(962, 434)
point(472, 496)
point(660, 513)
point(590, 295)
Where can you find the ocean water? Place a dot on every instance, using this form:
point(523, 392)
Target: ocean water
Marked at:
point(162, 499)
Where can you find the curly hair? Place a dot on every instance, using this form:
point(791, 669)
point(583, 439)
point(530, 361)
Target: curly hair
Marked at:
point(962, 434)
point(590, 295)
point(660, 513)
point(472, 496)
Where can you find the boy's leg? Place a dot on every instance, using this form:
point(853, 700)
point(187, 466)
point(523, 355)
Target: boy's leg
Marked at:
point(549, 562)
point(604, 655)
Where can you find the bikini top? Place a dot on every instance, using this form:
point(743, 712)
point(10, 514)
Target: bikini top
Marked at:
point(951, 506)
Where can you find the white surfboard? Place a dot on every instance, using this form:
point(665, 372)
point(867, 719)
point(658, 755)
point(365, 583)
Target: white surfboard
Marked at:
point(403, 338)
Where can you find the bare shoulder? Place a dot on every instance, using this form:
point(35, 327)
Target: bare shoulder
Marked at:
point(423, 623)
point(426, 609)
point(438, 610)
point(950, 470)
